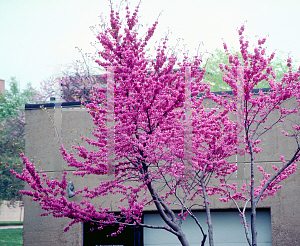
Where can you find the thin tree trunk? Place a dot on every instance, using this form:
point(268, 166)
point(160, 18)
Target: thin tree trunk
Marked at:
point(210, 227)
point(253, 203)
point(253, 224)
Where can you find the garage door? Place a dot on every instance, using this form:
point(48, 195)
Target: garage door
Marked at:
point(228, 230)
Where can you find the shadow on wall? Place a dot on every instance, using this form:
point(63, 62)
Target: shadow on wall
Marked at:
point(11, 212)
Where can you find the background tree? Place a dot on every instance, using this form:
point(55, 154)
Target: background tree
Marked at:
point(214, 74)
point(76, 82)
point(12, 141)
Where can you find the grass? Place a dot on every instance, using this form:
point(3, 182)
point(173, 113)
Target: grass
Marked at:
point(11, 237)
point(6, 223)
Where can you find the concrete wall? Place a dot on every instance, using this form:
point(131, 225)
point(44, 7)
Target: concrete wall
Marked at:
point(42, 148)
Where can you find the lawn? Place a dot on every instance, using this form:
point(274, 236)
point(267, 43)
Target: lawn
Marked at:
point(11, 237)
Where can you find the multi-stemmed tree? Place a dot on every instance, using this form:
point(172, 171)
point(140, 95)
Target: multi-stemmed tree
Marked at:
point(159, 142)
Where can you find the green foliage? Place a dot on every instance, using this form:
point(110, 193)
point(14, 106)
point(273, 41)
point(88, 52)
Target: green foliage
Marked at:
point(14, 100)
point(9, 184)
point(12, 143)
point(214, 74)
point(11, 237)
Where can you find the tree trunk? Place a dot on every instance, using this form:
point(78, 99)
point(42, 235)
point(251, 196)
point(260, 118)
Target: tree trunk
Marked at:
point(253, 203)
point(183, 240)
point(253, 224)
point(210, 227)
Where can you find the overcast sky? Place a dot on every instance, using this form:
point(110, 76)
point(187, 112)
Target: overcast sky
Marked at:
point(38, 34)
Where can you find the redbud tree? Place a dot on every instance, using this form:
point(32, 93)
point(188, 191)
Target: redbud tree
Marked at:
point(152, 140)
point(158, 142)
point(257, 116)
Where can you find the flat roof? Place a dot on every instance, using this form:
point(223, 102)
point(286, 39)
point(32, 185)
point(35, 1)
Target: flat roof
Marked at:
point(79, 103)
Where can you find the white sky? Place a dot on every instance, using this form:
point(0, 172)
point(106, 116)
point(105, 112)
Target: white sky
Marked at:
point(37, 34)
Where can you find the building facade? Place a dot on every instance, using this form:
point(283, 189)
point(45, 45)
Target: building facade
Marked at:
point(278, 216)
